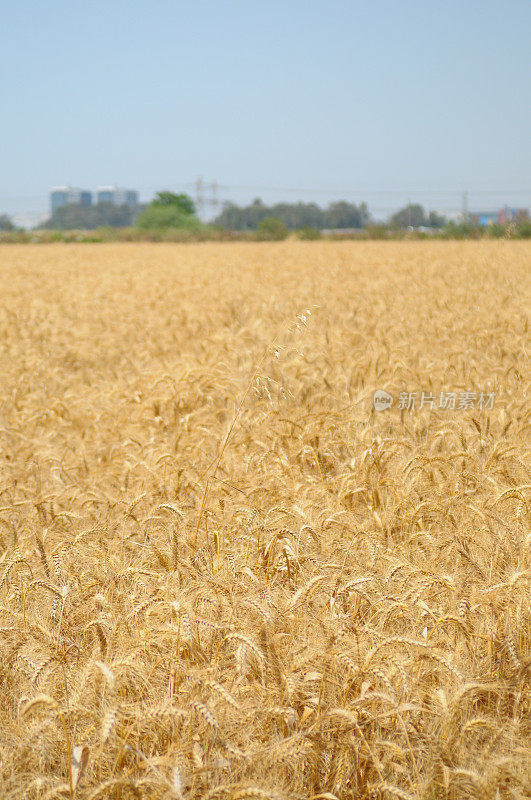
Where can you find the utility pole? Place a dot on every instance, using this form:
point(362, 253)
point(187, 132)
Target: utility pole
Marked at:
point(199, 196)
point(206, 195)
point(465, 206)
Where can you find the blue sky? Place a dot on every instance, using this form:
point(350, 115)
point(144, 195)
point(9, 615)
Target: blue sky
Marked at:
point(310, 100)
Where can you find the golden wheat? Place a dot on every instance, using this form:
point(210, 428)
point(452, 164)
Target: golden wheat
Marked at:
point(222, 572)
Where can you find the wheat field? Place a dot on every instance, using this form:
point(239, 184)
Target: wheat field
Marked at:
point(223, 574)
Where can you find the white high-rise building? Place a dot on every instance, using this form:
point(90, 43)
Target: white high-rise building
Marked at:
point(117, 196)
point(69, 195)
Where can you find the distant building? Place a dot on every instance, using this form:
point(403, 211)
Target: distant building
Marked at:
point(484, 218)
point(513, 215)
point(117, 196)
point(501, 217)
point(69, 195)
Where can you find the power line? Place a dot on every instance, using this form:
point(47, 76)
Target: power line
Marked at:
point(372, 192)
point(200, 186)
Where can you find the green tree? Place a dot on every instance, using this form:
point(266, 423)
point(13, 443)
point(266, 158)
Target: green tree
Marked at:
point(272, 229)
point(413, 215)
point(346, 215)
point(5, 223)
point(164, 217)
point(181, 201)
point(436, 220)
point(168, 210)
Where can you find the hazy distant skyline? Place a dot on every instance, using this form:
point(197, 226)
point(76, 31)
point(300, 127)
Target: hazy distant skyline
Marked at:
point(384, 100)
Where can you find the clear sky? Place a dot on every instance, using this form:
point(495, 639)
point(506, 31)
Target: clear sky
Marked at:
point(376, 100)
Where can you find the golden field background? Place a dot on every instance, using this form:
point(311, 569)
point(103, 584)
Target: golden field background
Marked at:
point(222, 574)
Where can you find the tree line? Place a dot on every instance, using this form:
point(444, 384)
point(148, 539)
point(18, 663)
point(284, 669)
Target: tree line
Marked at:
point(294, 215)
point(169, 210)
point(176, 212)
